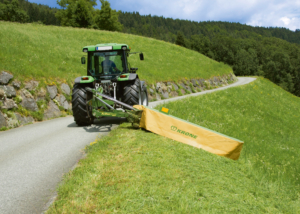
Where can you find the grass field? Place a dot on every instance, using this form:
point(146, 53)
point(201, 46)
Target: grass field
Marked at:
point(135, 171)
point(38, 51)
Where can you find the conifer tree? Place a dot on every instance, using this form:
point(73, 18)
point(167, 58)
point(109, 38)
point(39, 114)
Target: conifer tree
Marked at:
point(107, 19)
point(76, 13)
point(81, 14)
point(180, 39)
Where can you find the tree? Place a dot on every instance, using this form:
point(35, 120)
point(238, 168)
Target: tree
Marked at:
point(12, 12)
point(180, 39)
point(81, 15)
point(76, 13)
point(107, 19)
point(245, 62)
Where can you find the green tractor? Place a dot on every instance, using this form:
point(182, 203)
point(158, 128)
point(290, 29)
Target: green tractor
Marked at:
point(108, 74)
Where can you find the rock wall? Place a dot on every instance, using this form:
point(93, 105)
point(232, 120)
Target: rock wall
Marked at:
point(165, 90)
point(25, 102)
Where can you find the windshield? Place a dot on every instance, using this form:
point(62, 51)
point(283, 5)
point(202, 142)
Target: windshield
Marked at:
point(105, 63)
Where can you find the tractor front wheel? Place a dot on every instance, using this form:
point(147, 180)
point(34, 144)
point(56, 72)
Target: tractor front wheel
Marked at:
point(81, 112)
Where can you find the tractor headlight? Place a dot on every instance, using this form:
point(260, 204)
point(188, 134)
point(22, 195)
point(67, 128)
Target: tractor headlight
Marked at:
point(85, 50)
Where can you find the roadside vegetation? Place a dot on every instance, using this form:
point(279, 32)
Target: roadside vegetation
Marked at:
point(39, 51)
point(135, 171)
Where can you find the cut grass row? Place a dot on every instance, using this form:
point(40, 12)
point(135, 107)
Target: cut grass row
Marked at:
point(32, 51)
point(135, 171)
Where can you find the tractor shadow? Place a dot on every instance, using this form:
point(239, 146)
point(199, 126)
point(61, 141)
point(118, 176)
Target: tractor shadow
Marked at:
point(105, 124)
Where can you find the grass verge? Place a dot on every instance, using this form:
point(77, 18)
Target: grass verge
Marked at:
point(135, 171)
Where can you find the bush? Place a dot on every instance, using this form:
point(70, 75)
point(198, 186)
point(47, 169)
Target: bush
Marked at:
point(4, 128)
point(11, 115)
point(23, 111)
point(179, 92)
point(18, 99)
point(38, 115)
point(42, 104)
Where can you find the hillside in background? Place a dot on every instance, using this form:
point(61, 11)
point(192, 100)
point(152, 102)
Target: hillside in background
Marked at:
point(34, 51)
point(167, 28)
point(269, 52)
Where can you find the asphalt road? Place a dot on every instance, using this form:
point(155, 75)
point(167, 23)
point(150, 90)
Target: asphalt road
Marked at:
point(34, 158)
point(241, 81)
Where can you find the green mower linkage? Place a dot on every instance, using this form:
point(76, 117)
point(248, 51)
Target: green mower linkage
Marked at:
point(107, 107)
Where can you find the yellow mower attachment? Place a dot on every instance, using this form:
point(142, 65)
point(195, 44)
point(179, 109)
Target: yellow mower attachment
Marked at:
point(161, 123)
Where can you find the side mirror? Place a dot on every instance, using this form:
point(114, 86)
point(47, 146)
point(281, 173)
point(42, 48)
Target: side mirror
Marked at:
point(83, 60)
point(141, 56)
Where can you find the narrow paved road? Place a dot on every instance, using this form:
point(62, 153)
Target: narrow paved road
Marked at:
point(34, 158)
point(241, 81)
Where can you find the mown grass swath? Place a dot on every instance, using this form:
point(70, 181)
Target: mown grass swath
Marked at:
point(135, 171)
point(38, 51)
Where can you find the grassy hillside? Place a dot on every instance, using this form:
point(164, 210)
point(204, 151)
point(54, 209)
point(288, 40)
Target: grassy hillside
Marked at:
point(135, 171)
point(37, 51)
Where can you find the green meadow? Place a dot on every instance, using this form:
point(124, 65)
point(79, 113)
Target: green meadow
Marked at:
point(33, 51)
point(135, 171)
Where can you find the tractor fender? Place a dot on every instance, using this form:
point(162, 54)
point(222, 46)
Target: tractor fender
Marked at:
point(88, 79)
point(133, 76)
point(142, 83)
point(128, 77)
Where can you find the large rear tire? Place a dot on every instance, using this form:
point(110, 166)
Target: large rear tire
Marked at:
point(81, 112)
point(131, 93)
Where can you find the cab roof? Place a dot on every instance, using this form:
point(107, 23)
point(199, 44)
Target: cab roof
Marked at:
point(105, 47)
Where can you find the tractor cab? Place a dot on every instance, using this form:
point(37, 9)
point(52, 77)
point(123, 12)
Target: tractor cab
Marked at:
point(107, 61)
point(106, 65)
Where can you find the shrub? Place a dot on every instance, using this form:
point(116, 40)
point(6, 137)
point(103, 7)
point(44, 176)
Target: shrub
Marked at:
point(4, 128)
point(38, 115)
point(23, 111)
point(42, 104)
point(18, 99)
point(179, 92)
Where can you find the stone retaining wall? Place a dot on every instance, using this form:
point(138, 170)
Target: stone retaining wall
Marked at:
point(19, 101)
point(25, 102)
point(165, 90)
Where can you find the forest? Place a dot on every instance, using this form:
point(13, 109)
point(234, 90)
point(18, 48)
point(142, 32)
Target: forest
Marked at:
point(271, 52)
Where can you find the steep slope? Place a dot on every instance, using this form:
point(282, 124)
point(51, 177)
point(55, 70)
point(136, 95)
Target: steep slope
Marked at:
point(35, 51)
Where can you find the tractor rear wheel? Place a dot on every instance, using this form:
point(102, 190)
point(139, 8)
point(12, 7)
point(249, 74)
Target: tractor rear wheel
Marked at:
point(131, 93)
point(81, 112)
